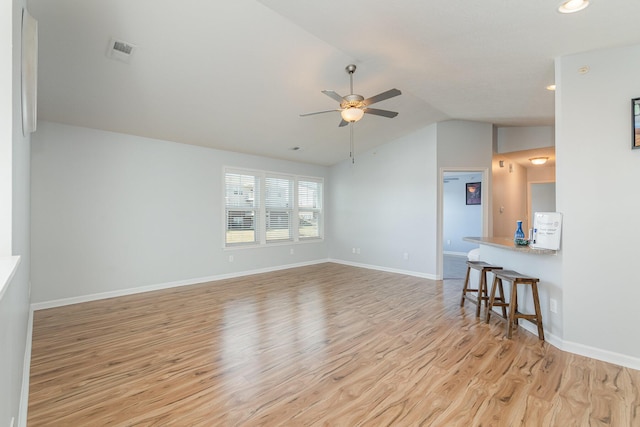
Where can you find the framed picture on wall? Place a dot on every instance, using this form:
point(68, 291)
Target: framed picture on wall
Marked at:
point(635, 123)
point(473, 193)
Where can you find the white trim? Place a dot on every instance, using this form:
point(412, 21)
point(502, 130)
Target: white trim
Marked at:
point(8, 267)
point(585, 350)
point(137, 290)
point(389, 270)
point(485, 202)
point(552, 339)
point(461, 254)
point(600, 354)
point(26, 370)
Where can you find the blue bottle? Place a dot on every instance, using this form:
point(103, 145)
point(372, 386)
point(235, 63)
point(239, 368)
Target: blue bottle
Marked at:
point(519, 235)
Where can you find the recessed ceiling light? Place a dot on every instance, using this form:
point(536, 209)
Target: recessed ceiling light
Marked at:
point(551, 87)
point(572, 6)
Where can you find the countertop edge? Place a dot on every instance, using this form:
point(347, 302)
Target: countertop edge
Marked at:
point(506, 243)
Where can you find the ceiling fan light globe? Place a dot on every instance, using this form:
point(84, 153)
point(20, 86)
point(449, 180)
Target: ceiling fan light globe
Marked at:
point(352, 114)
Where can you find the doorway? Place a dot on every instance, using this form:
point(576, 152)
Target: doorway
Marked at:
point(461, 214)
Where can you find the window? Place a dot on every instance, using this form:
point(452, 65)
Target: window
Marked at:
point(279, 207)
point(241, 208)
point(309, 208)
point(265, 208)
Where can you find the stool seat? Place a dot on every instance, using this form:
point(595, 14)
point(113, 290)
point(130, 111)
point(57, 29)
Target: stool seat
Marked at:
point(510, 274)
point(482, 295)
point(512, 321)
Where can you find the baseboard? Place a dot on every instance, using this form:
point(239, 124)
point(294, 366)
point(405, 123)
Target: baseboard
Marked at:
point(585, 350)
point(460, 254)
point(388, 270)
point(149, 288)
point(604, 355)
point(554, 340)
point(26, 370)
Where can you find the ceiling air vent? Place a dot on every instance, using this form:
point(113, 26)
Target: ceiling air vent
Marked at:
point(120, 50)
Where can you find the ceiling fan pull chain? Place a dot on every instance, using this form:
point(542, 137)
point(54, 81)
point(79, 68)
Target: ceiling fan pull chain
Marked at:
point(351, 153)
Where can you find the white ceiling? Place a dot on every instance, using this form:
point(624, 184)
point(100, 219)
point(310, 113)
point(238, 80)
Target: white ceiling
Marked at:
point(235, 75)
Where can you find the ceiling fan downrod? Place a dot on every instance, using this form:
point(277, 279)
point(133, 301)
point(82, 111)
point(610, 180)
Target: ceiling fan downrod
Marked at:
point(350, 69)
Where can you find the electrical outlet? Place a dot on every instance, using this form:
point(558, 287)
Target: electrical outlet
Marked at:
point(230, 258)
point(291, 251)
point(448, 242)
point(406, 255)
point(553, 305)
point(358, 251)
point(353, 250)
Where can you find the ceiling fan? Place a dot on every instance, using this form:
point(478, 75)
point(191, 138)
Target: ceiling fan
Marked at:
point(353, 106)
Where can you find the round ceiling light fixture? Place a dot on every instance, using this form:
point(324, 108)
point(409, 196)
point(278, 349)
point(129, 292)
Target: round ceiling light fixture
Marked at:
point(572, 6)
point(352, 114)
point(539, 160)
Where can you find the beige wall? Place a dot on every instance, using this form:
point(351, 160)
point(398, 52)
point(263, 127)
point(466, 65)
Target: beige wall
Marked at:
point(509, 197)
point(541, 174)
point(511, 181)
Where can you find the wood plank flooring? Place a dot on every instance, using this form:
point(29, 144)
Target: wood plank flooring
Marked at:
point(323, 345)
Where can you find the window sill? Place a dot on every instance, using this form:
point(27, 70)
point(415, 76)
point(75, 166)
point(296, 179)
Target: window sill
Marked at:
point(8, 267)
point(274, 244)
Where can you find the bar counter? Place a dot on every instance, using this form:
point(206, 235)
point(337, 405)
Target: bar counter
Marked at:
point(544, 264)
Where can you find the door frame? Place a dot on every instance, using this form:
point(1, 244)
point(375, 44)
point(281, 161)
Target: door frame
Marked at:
point(485, 200)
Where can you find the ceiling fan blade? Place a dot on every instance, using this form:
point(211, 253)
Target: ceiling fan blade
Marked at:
point(317, 112)
point(332, 94)
point(383, 113)
point(381, 97)
point(343, 123)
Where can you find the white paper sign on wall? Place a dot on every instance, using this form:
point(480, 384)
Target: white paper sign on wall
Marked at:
point(547, 228)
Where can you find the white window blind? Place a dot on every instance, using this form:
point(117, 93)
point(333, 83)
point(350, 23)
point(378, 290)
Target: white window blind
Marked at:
point(242, 203)
point(267, 208)
point(309, 208)
point(279, 207)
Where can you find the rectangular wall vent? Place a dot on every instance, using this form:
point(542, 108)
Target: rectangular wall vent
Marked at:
point(120, 50)
point(123, 47)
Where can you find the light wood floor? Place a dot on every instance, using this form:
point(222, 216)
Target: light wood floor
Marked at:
point(321, 345)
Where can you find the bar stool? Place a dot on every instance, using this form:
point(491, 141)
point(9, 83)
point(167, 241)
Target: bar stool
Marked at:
point(481, 291)
point(516, 279)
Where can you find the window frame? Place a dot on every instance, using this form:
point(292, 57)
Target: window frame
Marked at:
point(261, 210)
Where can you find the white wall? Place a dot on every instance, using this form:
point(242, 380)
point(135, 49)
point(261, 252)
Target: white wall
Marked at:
point(385, 204)
point(524, 138)
point(113, 212)
point(14, 195)
point(464, 144)
point(597, 177)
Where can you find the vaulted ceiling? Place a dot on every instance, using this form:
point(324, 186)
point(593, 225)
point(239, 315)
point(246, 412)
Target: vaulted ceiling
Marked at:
point(235, 75)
